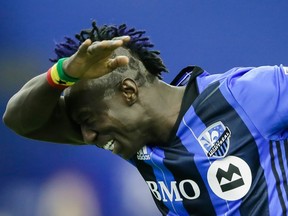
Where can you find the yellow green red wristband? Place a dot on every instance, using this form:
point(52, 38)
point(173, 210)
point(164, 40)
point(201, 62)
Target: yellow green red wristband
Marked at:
point(52, 83)
point(57, 78)
point(62, 74)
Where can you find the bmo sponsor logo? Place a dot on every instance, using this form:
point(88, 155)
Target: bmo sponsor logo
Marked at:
point(230, 178)
point(187, 189)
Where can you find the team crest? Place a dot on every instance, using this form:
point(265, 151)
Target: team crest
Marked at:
point(215, 140)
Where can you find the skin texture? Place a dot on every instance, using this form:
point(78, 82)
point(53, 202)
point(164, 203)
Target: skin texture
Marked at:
point(125, 111)
point(130, 117)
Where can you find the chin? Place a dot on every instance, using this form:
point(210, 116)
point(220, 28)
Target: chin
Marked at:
point(130, 152)
point(128, 155)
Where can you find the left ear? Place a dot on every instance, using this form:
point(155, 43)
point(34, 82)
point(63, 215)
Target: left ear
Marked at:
point(129, 90)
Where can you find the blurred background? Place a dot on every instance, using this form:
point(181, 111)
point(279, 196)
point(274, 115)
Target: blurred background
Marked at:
point(44, 179)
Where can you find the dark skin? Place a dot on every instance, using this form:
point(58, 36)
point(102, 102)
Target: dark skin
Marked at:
point(123, 123)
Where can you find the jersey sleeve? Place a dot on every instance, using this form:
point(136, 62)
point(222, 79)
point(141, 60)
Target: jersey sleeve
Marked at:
point(262, 92)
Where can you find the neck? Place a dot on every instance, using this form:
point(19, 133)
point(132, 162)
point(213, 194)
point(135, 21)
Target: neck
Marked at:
point(163, 106)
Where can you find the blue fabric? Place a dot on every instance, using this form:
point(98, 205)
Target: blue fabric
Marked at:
point(228, 152)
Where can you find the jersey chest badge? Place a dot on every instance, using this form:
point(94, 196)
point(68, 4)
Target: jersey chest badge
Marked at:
point(215, 140)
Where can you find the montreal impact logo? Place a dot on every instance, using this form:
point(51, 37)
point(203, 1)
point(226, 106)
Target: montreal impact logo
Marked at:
point(215, 140)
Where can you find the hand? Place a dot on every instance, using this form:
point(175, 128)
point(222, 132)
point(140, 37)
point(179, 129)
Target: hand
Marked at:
point(93, 60)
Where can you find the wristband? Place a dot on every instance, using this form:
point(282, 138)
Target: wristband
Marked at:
point(57, 78)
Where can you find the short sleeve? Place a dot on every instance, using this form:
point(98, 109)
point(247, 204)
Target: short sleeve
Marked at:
point(262, 93)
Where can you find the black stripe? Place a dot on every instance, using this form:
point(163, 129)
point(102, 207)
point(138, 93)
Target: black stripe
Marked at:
point(202, 205)
point(149, 175)
point(286, 151)
point(286, 159)
point(281, 163)
point(273, 165)
point(193, 207)
point(211, 106)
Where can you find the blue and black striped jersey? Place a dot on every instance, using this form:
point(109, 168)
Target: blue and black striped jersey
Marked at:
point(227, 153)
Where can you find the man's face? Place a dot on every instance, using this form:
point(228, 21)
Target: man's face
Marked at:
point(109, 123)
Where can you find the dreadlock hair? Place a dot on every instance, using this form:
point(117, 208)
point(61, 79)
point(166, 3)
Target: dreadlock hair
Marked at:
point(138, 45)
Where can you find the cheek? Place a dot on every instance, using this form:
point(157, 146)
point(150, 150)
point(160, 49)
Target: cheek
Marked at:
point(124, 117)
point(122, 124)
point(116, 115)
point(131, 124)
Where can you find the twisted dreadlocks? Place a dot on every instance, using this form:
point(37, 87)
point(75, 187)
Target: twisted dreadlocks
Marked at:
point(138, 45)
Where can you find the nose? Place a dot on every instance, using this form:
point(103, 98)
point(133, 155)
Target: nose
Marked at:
point(88, 134)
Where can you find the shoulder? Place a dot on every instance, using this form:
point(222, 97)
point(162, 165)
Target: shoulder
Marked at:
point(262, 94)
point(254, 74)
point(242, 79)
point(252, 82)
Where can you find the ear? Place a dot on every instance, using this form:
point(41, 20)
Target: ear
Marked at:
point(129, 90)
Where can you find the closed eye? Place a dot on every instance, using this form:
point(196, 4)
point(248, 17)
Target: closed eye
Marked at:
point(83, 119)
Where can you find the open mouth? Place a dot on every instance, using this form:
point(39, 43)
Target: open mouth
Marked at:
point(109, 145)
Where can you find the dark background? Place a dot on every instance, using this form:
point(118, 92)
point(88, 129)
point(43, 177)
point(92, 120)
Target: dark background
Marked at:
point(39, 179)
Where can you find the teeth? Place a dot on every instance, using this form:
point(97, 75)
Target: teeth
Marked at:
point(109, 146)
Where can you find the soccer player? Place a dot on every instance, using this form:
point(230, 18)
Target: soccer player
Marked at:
point(205, 144)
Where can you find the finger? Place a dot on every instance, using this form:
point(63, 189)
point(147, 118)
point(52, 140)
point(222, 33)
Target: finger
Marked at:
point(125, 38)
point(84, 46)
point(119, 61)
point(106, 45)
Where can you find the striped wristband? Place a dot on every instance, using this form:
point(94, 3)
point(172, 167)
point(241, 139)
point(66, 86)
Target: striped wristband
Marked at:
point(57, 78)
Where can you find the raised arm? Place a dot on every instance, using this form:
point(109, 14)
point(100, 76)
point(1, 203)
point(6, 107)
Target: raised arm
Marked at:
point(37, 110)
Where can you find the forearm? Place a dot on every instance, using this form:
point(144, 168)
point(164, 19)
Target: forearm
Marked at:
point(32, 106)
point(38, 111)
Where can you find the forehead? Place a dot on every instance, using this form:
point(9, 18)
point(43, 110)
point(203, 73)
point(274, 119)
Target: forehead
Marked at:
point(81, 98)
point(80, 91)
